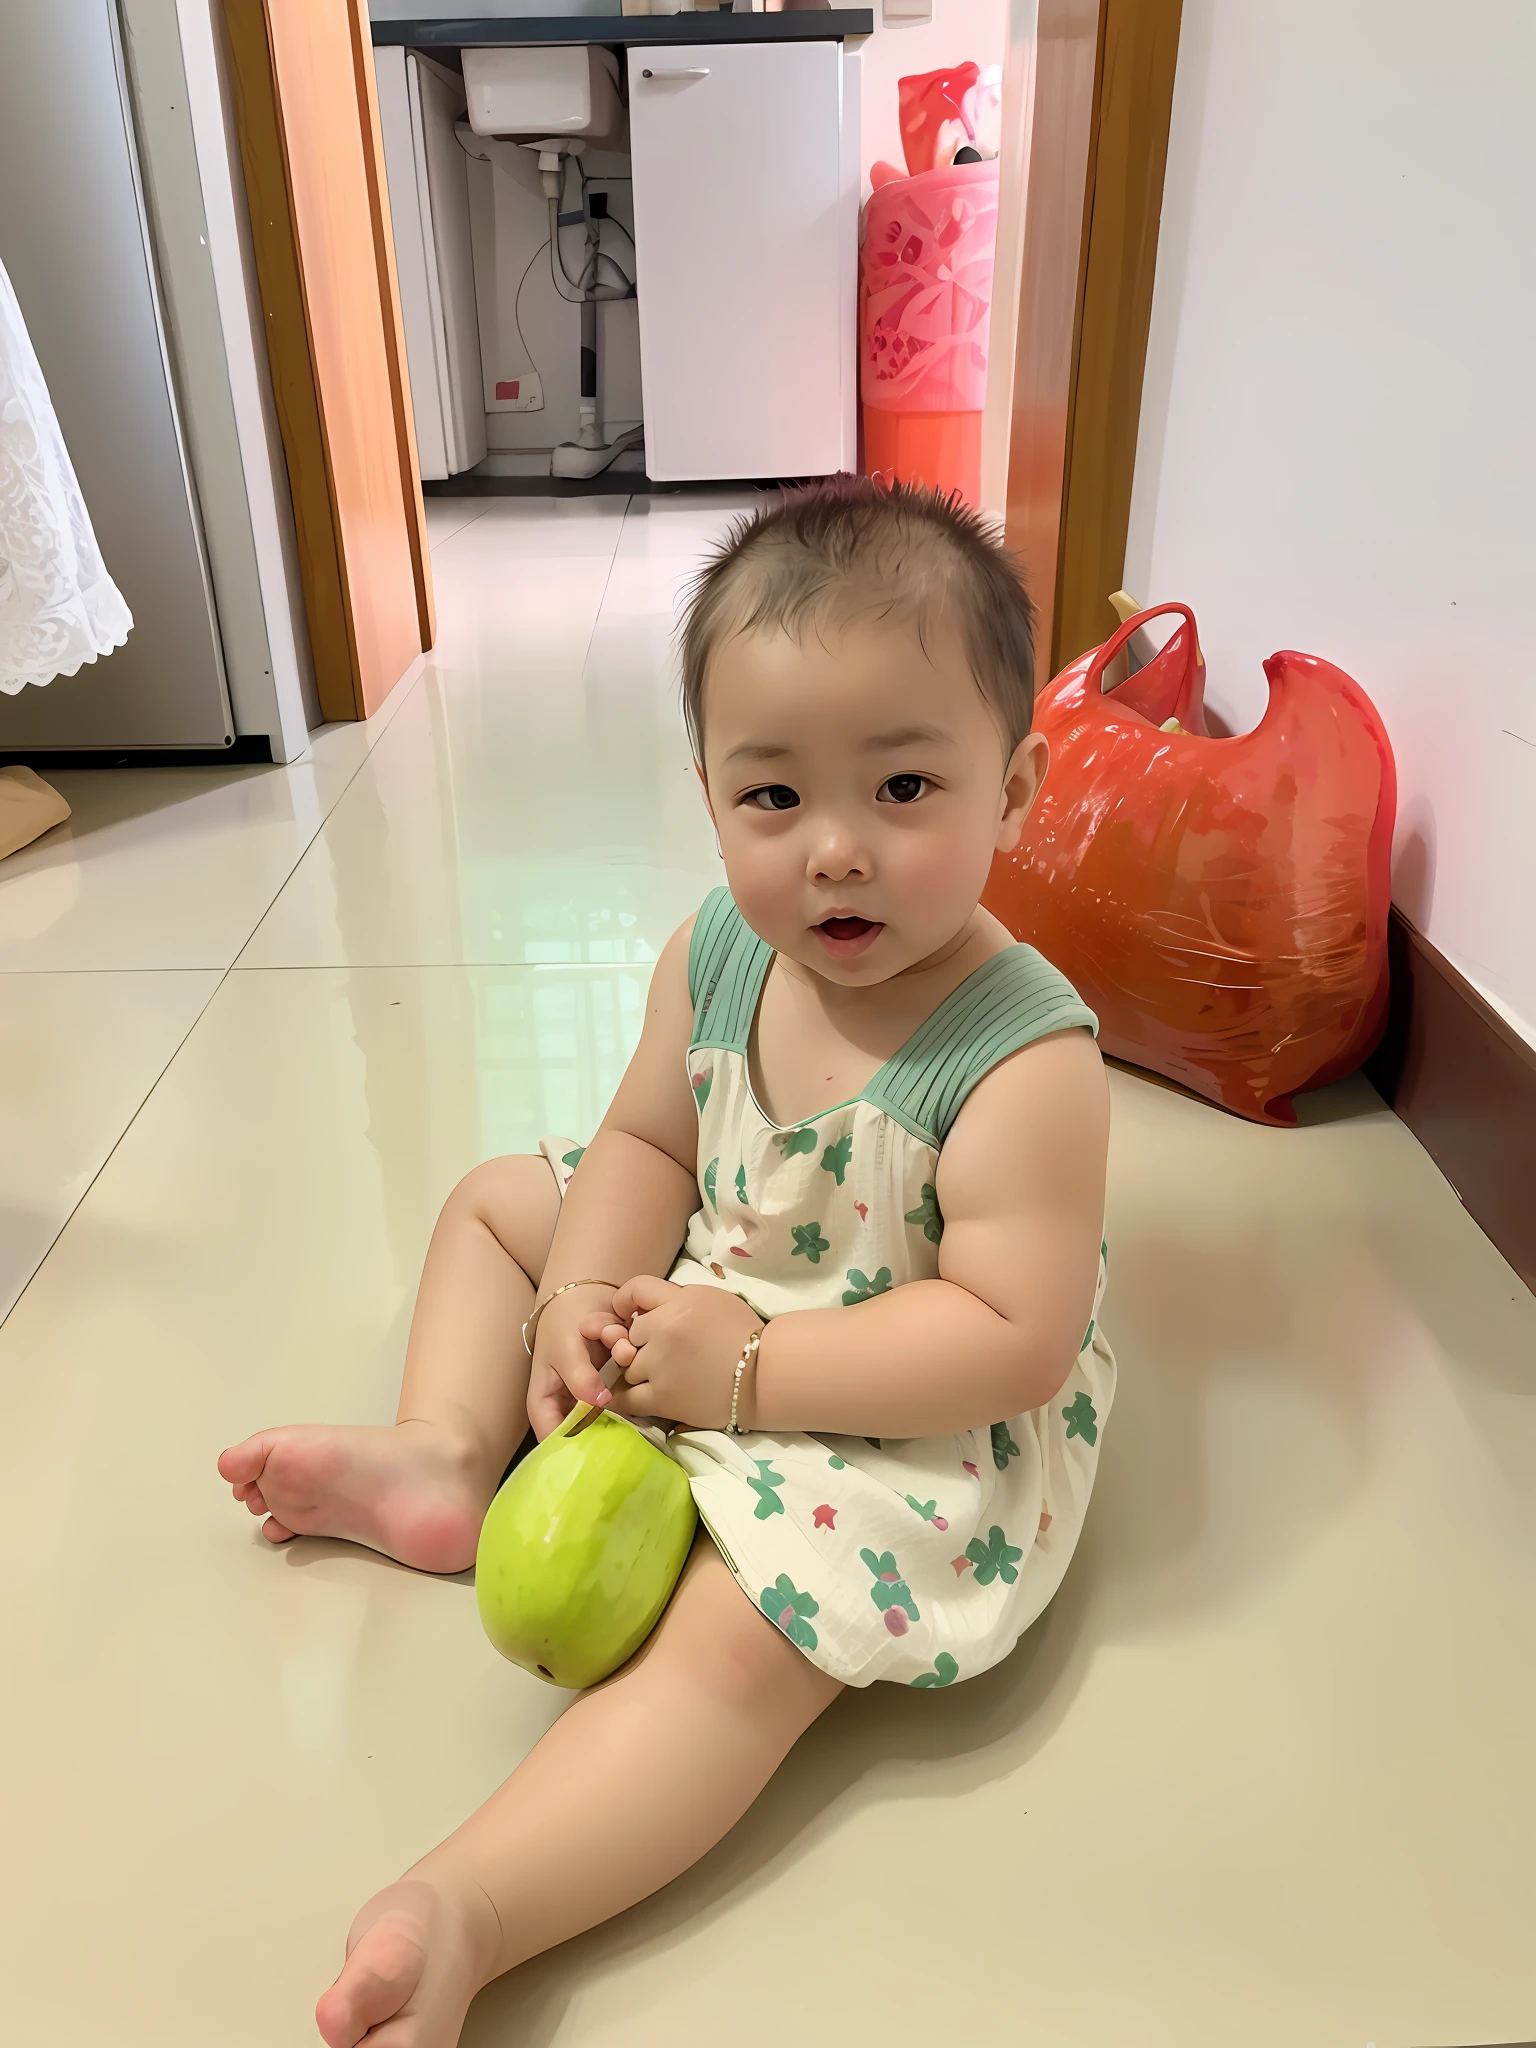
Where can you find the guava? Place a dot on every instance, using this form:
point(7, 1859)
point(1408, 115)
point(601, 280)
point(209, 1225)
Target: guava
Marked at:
point(581, 1548)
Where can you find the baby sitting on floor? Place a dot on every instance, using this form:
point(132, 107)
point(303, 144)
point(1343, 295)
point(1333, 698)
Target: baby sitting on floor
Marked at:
point(877, 1128)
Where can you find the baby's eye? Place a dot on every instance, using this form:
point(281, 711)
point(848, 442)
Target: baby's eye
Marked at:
point(778, 796)
point(901, 789)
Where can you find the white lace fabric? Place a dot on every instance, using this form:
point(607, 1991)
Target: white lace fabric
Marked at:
point(58, 606)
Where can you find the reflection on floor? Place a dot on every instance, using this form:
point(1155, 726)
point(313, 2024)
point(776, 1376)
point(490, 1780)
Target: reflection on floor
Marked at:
point(1265, 1772)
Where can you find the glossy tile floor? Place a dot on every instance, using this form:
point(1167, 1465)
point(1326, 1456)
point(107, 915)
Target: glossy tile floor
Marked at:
point(1264, 1775)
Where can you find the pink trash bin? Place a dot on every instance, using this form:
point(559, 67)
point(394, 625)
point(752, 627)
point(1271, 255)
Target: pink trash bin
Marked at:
point(925, 302)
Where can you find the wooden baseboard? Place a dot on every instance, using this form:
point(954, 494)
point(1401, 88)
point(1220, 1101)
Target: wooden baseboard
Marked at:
point(1464, 1082)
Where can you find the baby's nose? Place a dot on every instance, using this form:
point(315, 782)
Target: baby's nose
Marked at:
point(839, 857)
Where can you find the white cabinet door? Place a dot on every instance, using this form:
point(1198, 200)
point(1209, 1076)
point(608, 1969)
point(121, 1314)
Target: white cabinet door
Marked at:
point(746, 228)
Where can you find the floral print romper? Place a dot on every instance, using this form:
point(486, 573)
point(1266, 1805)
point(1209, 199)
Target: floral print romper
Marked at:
point(921, 1561)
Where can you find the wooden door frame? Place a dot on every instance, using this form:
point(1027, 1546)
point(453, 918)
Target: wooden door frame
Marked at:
point(394, 319)
point(329, 599)
point(1101, 100)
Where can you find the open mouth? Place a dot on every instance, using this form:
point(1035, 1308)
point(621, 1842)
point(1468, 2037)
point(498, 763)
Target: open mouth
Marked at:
point(844, 937)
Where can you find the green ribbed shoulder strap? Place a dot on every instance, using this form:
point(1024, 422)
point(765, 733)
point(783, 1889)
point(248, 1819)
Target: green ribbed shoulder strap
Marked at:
point(1012, 999)
point(727, 962)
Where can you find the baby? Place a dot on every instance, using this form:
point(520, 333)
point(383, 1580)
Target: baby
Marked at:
point(877, 1129)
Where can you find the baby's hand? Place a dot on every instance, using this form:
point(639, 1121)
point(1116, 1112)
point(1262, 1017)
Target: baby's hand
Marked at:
point(678, 1348)
point(565, 1364)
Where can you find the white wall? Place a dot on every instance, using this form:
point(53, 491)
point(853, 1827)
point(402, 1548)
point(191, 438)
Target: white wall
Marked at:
point(960, 29)
point(1338, 435)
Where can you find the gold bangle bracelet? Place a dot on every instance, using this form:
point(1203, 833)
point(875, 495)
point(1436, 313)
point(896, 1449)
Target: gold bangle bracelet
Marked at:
point(531, 1327)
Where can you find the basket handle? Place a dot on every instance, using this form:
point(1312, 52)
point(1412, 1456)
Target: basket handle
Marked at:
point(1093, 676)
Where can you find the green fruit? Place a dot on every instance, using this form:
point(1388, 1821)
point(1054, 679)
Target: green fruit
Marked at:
point(581, 1548)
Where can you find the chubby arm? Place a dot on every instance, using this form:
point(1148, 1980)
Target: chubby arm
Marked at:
point(627, 1209)
point(1021, 1187)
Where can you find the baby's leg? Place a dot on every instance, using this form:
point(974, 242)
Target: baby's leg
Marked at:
point(419, 1491)
point(630, 1787)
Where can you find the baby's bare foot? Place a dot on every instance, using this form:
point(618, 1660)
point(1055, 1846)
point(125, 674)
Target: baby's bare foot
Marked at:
point(410, 1491)
point(416, 1956)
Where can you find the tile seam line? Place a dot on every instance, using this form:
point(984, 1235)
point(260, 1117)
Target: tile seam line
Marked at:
point(463, 525)
point(39, 973)
point(442, 542)
point(111, 1153)
point(414, 685)
point(618, 542)
point(234, 965)
point(324, 819)
point(223, 972)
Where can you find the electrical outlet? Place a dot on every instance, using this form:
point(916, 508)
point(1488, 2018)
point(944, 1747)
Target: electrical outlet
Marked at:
point(523, 393)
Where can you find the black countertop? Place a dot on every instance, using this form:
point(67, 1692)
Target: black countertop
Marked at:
point(807, 26)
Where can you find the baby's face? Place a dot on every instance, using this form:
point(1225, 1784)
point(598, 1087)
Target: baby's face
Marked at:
point(860, 789)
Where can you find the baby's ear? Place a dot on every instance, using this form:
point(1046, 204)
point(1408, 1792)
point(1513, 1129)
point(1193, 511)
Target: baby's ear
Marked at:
point(1021, 785)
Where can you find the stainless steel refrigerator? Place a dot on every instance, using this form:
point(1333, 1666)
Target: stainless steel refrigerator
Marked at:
point(121, 227)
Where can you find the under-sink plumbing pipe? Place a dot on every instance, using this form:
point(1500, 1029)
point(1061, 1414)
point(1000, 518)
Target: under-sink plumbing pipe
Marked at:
point(587, 435)
point(588, 454)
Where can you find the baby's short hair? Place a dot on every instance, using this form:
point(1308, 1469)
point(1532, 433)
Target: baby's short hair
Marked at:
point(857, 546)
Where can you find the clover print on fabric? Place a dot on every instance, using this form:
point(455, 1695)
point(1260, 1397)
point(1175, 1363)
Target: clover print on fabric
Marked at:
point(836, 1157)
point(861, 1288)
point(803, 1140)
point(997, 1558)
point(809, 1242)
point(925, 1216)
point(836, 1462)
point(945, 1671)
point(709, 1181)
point(1003, 1446)
point(1093, 1324)
point(766, 1486)
point(890, 1592)
point(927, 1509)
point(701, 1083)
point(572, 1159)
point(741, 1184)
point(1082, 1419)
point(791, 1610)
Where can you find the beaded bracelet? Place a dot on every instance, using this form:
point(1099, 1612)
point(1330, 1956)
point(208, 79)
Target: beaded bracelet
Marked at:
point(748, 1355)
point(531, 1327)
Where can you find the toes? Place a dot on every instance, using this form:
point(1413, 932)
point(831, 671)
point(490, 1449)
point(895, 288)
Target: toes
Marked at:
point(242, 1463)
point(333, 2016)
point(253, 1498)
point(275, 1532)
point(377, 1979)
